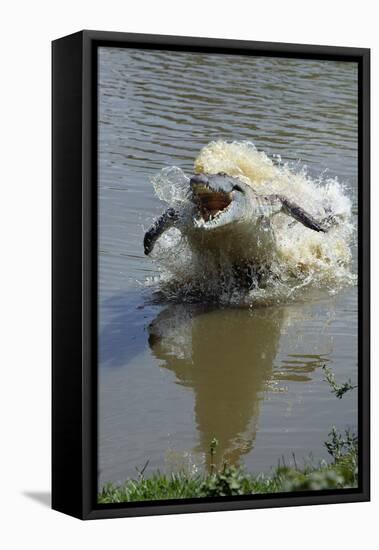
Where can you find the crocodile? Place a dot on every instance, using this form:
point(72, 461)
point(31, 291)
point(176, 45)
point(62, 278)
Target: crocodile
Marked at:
point(225, 215)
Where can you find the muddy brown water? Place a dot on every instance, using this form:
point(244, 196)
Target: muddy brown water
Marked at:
point(174, 376)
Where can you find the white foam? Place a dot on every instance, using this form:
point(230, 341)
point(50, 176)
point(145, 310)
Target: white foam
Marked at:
point(303, 259)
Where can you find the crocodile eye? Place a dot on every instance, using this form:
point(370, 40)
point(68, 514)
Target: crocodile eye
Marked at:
point(237, 188)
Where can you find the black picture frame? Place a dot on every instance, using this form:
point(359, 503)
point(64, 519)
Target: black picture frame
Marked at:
point(74, 272)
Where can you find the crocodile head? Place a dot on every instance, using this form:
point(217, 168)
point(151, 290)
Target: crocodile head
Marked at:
point(220, 199)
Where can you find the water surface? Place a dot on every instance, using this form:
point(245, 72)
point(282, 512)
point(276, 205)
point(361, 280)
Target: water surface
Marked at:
point(173, 376)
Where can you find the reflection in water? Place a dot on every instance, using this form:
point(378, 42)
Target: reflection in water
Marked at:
point(226, 357)
point(298, 368)
point(174, 377)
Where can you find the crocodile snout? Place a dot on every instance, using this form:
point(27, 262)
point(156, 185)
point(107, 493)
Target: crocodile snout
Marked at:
point(199, 179)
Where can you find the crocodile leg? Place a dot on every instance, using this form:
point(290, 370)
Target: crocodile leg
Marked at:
point(164, 222)
point(296, 212)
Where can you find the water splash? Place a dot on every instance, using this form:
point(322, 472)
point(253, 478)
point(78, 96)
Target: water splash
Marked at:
point(301, 259)
point(171, 185)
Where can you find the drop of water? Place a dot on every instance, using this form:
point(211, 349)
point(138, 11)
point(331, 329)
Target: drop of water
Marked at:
point(171, 185)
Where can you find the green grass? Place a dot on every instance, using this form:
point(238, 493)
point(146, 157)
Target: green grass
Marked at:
point(343, 473)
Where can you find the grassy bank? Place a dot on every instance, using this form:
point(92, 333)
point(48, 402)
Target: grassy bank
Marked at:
point(343, 473)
